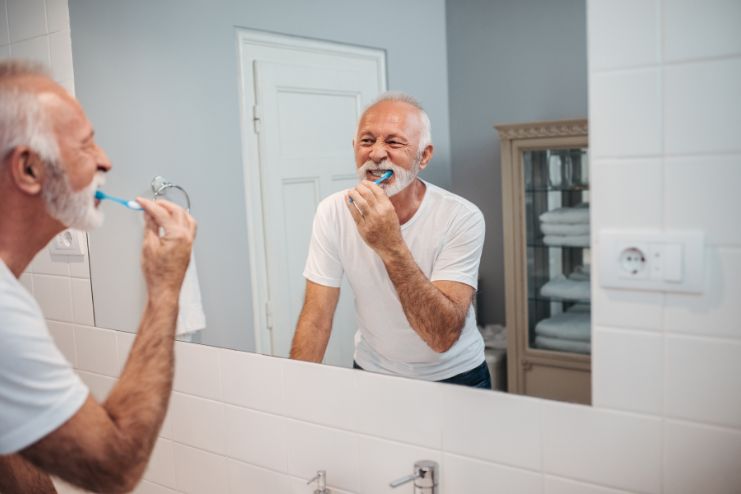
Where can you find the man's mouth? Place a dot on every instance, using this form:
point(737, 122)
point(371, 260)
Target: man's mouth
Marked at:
point(377, 173)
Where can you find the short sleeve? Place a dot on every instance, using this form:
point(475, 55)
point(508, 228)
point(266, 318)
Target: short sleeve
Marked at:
point(323, 265)
point(39, 390)
point(460, 254)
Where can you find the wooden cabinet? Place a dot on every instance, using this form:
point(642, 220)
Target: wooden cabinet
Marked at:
point(545, 195)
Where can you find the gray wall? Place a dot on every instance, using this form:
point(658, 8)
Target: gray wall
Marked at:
point(509, 61)
point(159, 81)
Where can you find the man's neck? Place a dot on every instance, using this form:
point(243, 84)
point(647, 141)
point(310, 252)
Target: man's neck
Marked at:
point(22, 236)
point(407, 201)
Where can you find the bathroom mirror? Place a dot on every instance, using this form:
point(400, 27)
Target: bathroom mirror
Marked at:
point(177, 89)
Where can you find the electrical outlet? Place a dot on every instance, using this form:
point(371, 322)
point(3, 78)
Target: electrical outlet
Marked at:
point(652, 260)
point(633, 263)
point(67, 243)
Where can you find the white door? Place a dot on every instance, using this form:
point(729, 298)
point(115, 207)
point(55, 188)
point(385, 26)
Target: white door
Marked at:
point(305, 117)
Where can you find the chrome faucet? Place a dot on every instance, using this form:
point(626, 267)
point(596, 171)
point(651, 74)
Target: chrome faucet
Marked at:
point(425, 478)
point(321, 482)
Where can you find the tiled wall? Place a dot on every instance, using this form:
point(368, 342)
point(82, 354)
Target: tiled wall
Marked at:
point(664, 117)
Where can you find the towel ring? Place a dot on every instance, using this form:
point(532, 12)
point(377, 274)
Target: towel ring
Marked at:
point(161, 184)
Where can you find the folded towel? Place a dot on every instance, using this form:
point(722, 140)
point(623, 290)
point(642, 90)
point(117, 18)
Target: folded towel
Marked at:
point(570, 215)
point(575, 326)
point(567, 240)
point(191, 316)
point(560, 287)
point(562, 345)
point(580, 307)
point(565, 228)
point(580, 273)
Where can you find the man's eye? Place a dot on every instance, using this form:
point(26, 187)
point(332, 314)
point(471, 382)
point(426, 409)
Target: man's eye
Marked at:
point(366, 141)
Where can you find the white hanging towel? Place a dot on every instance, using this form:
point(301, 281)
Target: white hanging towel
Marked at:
point(191, 317)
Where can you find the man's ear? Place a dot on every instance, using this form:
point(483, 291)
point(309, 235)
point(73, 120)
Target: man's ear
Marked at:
point(426, 156)
point(26, 169)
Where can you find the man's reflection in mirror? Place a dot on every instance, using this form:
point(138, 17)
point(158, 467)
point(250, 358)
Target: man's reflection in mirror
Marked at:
point(411, 253)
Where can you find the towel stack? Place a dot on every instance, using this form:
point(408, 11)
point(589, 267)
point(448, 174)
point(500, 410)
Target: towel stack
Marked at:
point(567, 226)
point(569, 331)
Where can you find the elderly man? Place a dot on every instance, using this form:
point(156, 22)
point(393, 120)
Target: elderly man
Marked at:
point(411, 252)
point(49, 423)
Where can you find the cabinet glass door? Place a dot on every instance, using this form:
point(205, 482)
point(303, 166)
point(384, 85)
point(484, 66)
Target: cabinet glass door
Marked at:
point(556, 193)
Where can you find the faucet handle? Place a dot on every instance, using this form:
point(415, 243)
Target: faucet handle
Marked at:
point(424, 476)
point(321, 482)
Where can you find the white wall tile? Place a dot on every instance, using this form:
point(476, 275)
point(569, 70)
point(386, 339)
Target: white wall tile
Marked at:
point(625, 114)
point(252, 380)
point(161, 468)
point(36, 49)
point(4, 52)
point(82, 301)
point(329, 403)
point(556, 485)
point(644, 178)
point(249, 478)
point(702, 380)
point(702, 101)
point(701, 459)
point(625, 308)
point(124, 342)
point(384, 461)
point(79, 266)
point(4, 35)
point(313, 447)
point(198, 422)
point(609, 47)
point(717, 310)
point(146, 487)
point(96, 350)
point(470, 476)
point(197, 370)
point(65, 488)
point(54, 295)
point(200, 472)
point(627, 370)
point(498, 427)
point(45, 263)
point(711, 182)
point(26, 19)
point(608, 448)
point(64, 338)
point(256, 437)
point(400, 409)
point(100, 386)
point(60, 53)
point(701, 29)
point(57, 15)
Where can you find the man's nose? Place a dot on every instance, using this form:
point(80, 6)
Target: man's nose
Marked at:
point(104, 164)
point(378, 152)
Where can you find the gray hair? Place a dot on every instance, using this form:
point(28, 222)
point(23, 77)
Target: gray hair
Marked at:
point(23, 119)
point(425, 137)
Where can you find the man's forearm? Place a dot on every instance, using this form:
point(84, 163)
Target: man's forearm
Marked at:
point(19, 476)
point(138, 403)
point(435, 317)
point(309, 341)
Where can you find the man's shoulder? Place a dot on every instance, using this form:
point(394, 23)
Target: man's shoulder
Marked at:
point(452, 203)
point(332, 202)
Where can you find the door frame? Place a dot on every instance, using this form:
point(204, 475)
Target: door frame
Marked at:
point(253, 45)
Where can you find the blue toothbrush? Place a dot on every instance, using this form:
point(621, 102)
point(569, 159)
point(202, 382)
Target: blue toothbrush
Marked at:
point(387, 175)
point(384, 177)
point(99, 194)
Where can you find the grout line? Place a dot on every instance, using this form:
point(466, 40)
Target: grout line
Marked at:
point(663, 64)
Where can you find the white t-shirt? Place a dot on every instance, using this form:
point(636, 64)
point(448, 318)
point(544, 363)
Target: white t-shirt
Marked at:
point(446, 237)
point(39, 390)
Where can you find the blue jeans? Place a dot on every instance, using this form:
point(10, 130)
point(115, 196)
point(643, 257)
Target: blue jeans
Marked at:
point(478, 377)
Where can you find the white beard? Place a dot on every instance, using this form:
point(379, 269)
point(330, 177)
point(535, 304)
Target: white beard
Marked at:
point(402, 176)
point(73, 209)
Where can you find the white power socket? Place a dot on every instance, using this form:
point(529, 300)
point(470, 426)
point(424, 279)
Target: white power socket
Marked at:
point(652, 260)
point(67, 243)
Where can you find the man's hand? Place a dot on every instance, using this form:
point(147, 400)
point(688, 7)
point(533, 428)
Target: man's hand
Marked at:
point(168, 239)
point(375, 218)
